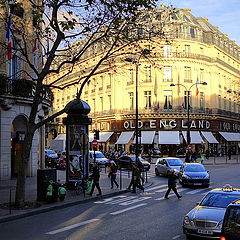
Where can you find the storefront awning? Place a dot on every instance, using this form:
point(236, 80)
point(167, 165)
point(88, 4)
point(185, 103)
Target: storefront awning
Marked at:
point(169, 137)
point(146, 137)
point(195, 137)
point(104, 136)
point(209, 137)
point(124, 138)
point(231, 137)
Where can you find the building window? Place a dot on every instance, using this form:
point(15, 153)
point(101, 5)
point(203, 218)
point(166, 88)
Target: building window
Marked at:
point(168, 100)
point(94, 105)
point(187, 74)
point(109, 80)
point(110, 102)
point(201, 77)
point(130, 76)
point(192, 32)
point(167, 50)
point(202, 100)
point(225, 104)
point(219, 102)
point(101, 104)
point(147, 97)
point(148, 74)
point(167, 74)
point(229, 105)
point(131, 101)
point(101, 83)
point(187, 49)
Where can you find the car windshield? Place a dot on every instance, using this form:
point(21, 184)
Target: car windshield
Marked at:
point(99, 155)
point(194, 168)
point(133, 158)
point(221, 200)
point(175, 162)
point(50, 152)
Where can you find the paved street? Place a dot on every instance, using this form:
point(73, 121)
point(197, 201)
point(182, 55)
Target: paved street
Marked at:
point(128, 216)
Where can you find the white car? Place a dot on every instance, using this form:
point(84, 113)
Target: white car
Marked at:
point(100, 158)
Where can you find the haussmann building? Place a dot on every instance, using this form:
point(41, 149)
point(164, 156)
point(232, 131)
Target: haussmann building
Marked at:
point(196, 61)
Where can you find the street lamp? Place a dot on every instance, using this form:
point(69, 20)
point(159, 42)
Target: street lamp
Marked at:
point(136, 62)
point(188, 106)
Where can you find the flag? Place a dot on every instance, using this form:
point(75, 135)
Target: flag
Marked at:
point(197, 91)
point(9, 39)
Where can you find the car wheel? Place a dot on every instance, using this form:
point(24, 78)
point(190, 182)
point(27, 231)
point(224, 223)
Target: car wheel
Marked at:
point(156, 172)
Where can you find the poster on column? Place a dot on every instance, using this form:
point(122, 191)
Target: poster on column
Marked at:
point(78, 150)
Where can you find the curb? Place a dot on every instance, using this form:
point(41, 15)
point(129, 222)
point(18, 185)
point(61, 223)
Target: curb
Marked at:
point(56, 206)
point(60, 205)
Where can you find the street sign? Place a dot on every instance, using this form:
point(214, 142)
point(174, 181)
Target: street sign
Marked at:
point(94, 142)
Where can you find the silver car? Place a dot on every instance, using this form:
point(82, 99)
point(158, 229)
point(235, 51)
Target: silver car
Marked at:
point(100, 158)
point(164, 164)
point(205, 220)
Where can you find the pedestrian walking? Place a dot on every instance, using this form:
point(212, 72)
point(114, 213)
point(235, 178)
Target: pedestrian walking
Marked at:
point(229, 153)
point(202, 156)
point(172, 180)
point(113, 174)
point(194, 156)
point(136, 181)
point(188, 156)
point(95, 177)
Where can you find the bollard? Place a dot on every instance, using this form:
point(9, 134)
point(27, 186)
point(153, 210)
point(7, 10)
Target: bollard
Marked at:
point(10, 201)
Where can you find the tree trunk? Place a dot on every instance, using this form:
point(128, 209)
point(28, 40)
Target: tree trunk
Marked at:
point(21, 178)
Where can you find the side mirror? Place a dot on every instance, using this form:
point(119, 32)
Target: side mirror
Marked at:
point(197, 203)
point(207, 171)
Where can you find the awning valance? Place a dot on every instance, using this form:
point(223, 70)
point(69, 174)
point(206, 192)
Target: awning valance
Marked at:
point(231, 137)
point(169, 137)
point(104, 136)
point(146, 137)
point(124, 137)
point(195, 137)
point(209, 137)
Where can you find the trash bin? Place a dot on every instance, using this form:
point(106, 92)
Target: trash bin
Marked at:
point(43, 178)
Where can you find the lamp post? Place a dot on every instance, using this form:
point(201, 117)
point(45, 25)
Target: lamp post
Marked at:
point(136, 61)
point(188, 106)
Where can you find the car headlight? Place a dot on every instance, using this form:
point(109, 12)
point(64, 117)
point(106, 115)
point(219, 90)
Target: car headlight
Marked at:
point(186, 176)
point(219, 226)
point(186, 220)
point(207, 176)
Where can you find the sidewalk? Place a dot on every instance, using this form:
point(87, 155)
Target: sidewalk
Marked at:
point(71, 198)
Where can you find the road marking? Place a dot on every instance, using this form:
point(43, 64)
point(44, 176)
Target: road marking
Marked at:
point(176, 237)
point(72, 226)
point(196, 191)
point(110, 199)
point(128, 209)
point(121, 200)
point(153, 188)
point(134, 201)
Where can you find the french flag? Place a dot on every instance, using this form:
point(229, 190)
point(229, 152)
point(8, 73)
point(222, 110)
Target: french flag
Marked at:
point(9, 39)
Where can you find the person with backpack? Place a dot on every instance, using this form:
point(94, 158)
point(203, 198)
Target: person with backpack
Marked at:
point(95, 178)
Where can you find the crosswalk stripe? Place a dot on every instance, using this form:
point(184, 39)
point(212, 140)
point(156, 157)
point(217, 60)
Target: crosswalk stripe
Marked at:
point(153, 188)
point(121, 200)
point(196, 191)
point(128, 209)
point(72, 226)
point(134, 201)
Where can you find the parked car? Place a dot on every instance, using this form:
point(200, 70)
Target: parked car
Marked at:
point(205, 220)
point(51, 158)
point(100, 158)
point(231, 222)
point(164, 164)
point(194, 174)
point(126, 161)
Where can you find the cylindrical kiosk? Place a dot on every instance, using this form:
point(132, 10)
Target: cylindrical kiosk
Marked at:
point(77, 141)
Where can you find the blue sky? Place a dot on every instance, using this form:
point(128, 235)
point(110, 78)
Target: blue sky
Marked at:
point(222, 13)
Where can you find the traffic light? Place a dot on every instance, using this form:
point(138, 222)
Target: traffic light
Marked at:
point(96, 134)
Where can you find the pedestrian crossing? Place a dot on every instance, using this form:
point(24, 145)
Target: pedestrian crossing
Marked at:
point(126, 200)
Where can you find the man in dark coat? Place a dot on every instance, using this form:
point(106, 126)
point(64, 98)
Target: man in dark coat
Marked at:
point(172, 180)
point(95, 177)
point(136, 181)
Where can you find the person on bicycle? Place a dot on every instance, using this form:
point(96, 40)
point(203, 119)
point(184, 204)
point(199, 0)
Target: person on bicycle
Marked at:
point(95, 177)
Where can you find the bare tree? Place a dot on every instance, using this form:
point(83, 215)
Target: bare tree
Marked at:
point(53, 26)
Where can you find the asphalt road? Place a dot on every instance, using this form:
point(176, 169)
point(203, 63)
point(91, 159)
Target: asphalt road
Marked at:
point(125, 217)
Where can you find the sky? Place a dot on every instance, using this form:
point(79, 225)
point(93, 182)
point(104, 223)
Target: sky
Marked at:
point(222, 13)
